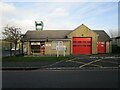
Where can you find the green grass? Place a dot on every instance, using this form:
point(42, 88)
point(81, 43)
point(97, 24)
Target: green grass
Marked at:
point(27, 59)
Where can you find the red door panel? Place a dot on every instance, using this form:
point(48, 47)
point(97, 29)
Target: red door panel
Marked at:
point(42, 49)
point(82, 45)
point(101, 47)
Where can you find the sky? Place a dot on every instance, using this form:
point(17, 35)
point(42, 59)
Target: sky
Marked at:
point(61, 15)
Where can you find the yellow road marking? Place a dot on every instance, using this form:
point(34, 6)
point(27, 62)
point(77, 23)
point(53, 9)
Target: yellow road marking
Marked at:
point(96, 65)
point(109, 61)
point(90, 63)
point(77, 62)
point(86, 63)
point(74, 59)
point(71, 59)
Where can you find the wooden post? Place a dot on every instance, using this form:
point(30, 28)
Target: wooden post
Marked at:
point(64, 53)
point(57, 53)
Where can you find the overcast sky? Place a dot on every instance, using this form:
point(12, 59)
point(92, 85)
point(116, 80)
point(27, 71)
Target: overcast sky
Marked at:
point(61, 15)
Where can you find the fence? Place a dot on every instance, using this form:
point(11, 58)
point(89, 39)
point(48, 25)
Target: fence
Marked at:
point(8, 49)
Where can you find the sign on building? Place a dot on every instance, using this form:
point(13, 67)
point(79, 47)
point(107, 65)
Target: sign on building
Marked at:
point(48, 45)
point(35, 43)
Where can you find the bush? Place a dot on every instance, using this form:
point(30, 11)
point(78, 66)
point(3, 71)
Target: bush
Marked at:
point(115, 49)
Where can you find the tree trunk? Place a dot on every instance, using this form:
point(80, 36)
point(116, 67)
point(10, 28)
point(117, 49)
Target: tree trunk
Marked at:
point(22, 48)
point(15, 48)
point(10, 49)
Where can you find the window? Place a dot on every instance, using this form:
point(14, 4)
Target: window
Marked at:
point(35, 48)
point(84, 45)
point(79, 41)
point(74, 45)
point(79, 45)
point(102, 42)
point(74, 41)
point(102, 45)
point(88, 45)
point(84, 41)
point(88, 41)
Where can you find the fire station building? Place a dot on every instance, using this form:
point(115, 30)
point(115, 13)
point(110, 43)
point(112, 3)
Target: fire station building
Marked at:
point(81, 40)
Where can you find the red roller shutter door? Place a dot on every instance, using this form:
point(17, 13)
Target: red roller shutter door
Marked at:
point(101, 47)
point(82, 45)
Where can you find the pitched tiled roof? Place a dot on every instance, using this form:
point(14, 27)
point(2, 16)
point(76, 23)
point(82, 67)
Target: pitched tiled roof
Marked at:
point(59, 34)
point(48, 33)
point(51, 34)
point(103, 36)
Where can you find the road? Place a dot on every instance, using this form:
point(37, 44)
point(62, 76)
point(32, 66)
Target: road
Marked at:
point(60, 79)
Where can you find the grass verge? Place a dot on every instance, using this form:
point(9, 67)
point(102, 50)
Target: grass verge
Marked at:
point(27, 59)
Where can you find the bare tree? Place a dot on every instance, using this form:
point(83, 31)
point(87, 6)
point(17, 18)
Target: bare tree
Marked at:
point(12, 34)
point(113, 33)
